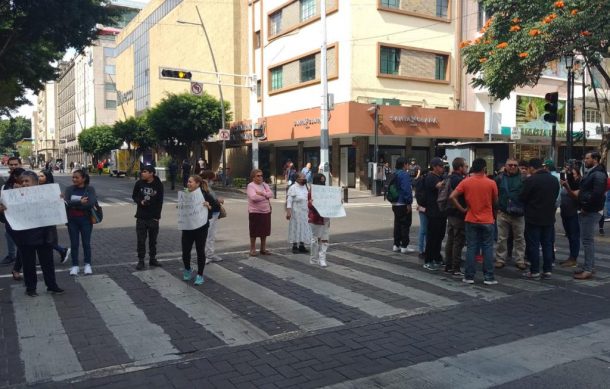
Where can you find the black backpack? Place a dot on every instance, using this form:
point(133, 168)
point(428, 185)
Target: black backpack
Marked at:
point(392, 192)
point(420, 190)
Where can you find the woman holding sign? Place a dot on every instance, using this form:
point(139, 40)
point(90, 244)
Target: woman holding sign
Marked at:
point(259, 211)
point(197, 235)
point(320, 228)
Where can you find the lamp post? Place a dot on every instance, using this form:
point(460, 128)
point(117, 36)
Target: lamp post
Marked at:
point(375, 111)
point(324, 138)
point(491, 106)
point(569, 62)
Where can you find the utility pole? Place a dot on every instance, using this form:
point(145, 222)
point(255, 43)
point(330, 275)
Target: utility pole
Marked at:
point(324, 162)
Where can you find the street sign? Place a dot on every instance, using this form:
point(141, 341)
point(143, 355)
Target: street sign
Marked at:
point(224, 134)
point(515, 133)
point(196, 88)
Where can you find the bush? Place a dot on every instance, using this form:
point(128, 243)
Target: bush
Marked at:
point(164, 161)
point(240, 182)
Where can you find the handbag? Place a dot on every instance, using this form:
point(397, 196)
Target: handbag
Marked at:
point(223, 212)
point(513, 208)
point(96, 214)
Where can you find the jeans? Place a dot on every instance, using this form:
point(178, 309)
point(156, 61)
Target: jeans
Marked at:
point(479, 237)
point(10, 245)
point(536, 237)
point(80, 226)
point(423, 226)
point(572, 229)
point(435, 234)
point(45, 257)
point(587, 227)
point(144, 228)
point(402, 224)
point(455, 242)
point(198, 237)
point(506, 224)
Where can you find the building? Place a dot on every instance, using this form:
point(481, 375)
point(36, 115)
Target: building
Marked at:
point(404, 72)
point(43, 128)
point(65, 118)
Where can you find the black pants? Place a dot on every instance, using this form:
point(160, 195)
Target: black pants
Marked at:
point(402, 224)
point(45, 257)
point(172, 180)
point(146, 227)
point(434, 238)
point(198, 236)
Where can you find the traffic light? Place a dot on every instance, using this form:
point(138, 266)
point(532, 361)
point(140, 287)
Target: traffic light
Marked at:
point(258, 132)
point(176, 74)
point(551, 107)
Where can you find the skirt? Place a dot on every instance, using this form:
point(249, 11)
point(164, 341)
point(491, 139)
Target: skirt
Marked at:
point(260, 225)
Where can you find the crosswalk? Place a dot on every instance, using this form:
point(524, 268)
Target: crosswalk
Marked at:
point(244, 301)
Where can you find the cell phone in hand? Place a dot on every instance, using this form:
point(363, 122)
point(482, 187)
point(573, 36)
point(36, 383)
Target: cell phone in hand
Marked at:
point(562, 176)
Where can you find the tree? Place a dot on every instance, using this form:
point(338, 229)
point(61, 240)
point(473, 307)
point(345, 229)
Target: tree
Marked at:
point(35, 34)
point(185, 119)
point(135, 132)
point(25, 151)
point(13, 130)
point(98, 140)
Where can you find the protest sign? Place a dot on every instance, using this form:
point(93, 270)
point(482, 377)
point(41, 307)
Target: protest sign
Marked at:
point(34, 206)
point(327, 200)
point(191, 212)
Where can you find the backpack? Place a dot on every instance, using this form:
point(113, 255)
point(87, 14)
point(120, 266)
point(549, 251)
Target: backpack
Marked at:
point(392, 192)
point(443, 194)
point(420, 190)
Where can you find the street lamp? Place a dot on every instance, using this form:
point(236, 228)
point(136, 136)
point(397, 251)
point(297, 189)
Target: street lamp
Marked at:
point(491, 106)
point(222, 103)
point(569, 62)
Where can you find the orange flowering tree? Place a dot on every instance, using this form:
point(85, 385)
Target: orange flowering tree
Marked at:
point(522, 37)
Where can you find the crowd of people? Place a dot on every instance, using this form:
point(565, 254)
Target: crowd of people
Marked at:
point(502, 217)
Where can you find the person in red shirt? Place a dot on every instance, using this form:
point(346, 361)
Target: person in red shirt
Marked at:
point(480, 194)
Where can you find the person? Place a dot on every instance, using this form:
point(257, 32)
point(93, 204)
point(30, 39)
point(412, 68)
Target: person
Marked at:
point(539, 195)
point(414, 170)
point(524, 169)
point(35, 242)
point(590, 199)
point(61, 167)
point(100, 168)
point(510, 219)
point(173, 172)
point(186, 172)
point(320, 227)
point(208, 176)
point(80, 197)
point(198, 235)
point(296, 213)
point(569, 214)
point(46, 177)
point(307, 172)
point(455, 222)
point(437, 220)
point(402, 208)
point(259, 211)
point(199, 166)
point(12, 182)
point(13, 163)
point(387, 171)
point(290, 174)
point(148, 195)
point(480, 194)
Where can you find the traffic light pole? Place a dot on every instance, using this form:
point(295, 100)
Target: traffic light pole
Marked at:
point(324, 138)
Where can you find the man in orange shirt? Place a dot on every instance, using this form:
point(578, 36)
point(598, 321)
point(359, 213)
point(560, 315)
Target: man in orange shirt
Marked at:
point(481, 194)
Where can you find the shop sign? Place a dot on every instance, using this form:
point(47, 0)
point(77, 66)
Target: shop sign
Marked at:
point(306, 122)
point(413, 120)
point(240, 132)
point(124, 97)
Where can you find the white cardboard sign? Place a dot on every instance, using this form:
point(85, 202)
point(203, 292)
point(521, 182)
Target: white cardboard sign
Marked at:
point(191, 212)
point(34, 206)
point(327, 200)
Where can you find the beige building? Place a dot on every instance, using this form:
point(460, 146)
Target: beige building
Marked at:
point(65, 118)
point(43, 129)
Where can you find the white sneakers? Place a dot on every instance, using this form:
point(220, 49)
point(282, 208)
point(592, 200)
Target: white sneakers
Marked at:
point(407, 249)
point(395, 248)
point(74, 271)
point(87, 271)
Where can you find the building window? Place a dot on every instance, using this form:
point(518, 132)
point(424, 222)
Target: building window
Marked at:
point(441, 8)
point(308, 9)
point(390, 3)
point(109, 52)
point(389, 60)
point(275, 23)
point(257, 39)
point(259, 89)
point(308, 68)
point(482, 15)
point(109, 69)
point(110, 104)
point(440, 69)
point(110, 87)
point(592, 116)
point(277, 78)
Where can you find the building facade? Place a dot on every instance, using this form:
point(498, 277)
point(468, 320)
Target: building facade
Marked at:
point(65, 113)
point(43, 128)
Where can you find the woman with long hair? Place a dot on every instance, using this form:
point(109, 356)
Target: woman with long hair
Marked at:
point(80, 197)
point(210, 249)
point(198, 235)
point(259, 211)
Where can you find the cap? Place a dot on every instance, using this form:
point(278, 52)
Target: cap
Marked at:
point(436, 161)
point(148, 168)
point(549, 164)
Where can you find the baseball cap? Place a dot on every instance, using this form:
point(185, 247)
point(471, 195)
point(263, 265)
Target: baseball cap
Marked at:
point(549, 164)
point(148, 168)
point(436, 161)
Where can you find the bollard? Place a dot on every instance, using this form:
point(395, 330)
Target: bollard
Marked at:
point(275, 190)
point(345, 194)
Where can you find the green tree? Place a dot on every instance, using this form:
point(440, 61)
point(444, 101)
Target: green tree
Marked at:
point(25, 151)
point(98, 140)
point(34, 34)
point(136, 133)
point(13, 130)
point(186, 120)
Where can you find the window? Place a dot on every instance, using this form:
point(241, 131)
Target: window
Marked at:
point(440, 69)
point(389, 60)
point(275, 23)
point(277, 78)
point(259, 88)
point(257, 39)
point(308, 68)
point(109, 52)
point(109, 69)
point(110, 104)
point(390, 3)
point(441, 8)
point(592, 116)
point(308, 9)
point(482, 16)
point(110, 87)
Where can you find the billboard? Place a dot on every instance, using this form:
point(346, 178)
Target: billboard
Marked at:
point(530, 118)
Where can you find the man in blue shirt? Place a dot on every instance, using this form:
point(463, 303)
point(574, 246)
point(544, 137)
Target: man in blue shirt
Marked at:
point(402, 208)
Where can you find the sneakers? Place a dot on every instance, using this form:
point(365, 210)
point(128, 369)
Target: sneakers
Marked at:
point(140, 265)
point(295, 250)
point(55, 290)
point(490, 281)
point(457, 273)
point(7, 260)
point(570, 262)
point(302, 249)
point(395, 248)
point(546, 275)
point(65, 255)
point(74, 271)
point(467, 280)
point(531, 276)
point(405, 250)
point(153, 262)
point(187, 275)
point(216, 258)
point(198, 280)
point(31, 292)
point(88, 271)
point(430, 266)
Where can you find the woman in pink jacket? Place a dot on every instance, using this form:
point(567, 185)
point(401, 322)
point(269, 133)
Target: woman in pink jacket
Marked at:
point(259, 210)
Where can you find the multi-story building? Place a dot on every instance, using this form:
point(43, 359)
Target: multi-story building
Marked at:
point(67, 144)
point(395, 60)
point(43, 129)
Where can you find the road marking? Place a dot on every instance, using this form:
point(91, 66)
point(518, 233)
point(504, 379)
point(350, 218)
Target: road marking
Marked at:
point(127, 322)
point(299, 314)
point(115, 201)
point(496, 365)
point(334, 292)
point(414, 294)
point(217, 319)
point(449, 284)
point(45, 348)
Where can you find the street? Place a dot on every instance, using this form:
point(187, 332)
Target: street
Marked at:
point(373, 318)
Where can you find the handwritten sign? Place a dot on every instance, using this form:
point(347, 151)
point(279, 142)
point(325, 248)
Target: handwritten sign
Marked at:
point(34, 206)
point(191, 212)
point(327, 200)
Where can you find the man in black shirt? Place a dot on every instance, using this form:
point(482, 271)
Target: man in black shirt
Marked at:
point(455, 222)
point(437, 220)
point(148, 195)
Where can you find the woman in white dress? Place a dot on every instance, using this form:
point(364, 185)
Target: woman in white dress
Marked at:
point(296, 212)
